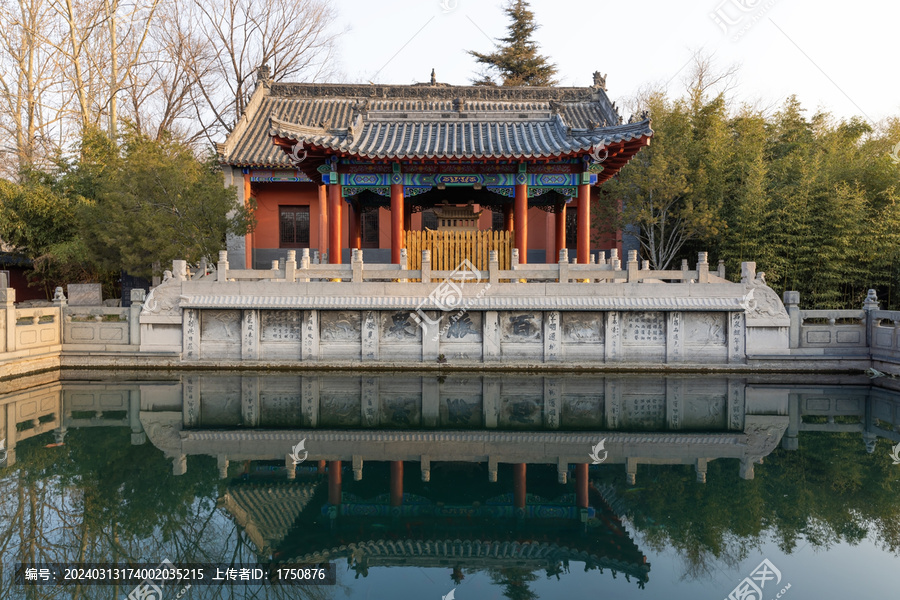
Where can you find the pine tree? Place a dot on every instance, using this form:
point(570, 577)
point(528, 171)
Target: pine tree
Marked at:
point(516, 60)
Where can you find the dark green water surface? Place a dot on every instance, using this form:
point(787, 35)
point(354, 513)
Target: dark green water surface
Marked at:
point(700, 479)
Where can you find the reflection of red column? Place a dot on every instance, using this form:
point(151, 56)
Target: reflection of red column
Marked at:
point(581, 485)
point(334, 482)
point(354, 215)
point(560, 230)
point(584, 223)
point(396, 483)
point(396, 221)
point(519, 485)
point(521, 219)
point(334, 224)
point(321, 469)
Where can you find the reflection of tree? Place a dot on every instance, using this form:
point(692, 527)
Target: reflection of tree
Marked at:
point(514, 582)
point(99, 499)
point(829, 491)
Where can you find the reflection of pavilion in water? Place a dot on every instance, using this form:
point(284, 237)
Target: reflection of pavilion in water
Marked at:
point(504, 429)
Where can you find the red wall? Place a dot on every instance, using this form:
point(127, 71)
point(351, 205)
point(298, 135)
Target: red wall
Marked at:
point(269, 196)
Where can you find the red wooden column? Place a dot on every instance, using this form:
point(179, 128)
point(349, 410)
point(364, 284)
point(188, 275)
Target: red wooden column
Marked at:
point(354, 216)
point(396, 483)
point(397, 216)
point(520, 212)
point(334, 482)
point(560, 230)
point(519, 485)
point(581, 485)
point(584, 224)
point(323, 219)
point(248, 238)
point(509, 217)
point(320, 468)
point(334, 224)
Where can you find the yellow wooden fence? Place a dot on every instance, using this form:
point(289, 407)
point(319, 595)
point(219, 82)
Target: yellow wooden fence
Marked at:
point(450, 248)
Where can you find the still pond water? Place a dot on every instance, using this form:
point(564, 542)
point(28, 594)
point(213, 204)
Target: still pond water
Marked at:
point(457, 486)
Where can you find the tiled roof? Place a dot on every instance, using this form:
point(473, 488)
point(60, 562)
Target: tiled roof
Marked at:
point(485, 135)
point(425, 121)
point(268, 511)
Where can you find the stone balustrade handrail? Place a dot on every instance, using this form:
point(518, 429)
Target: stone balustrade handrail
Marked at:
point(358, 271)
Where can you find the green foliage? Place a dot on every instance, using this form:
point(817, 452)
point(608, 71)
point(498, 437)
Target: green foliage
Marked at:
point(812, 201)
point(672, 190)
point(120, 207)
point(155, 202)
point(516, 61)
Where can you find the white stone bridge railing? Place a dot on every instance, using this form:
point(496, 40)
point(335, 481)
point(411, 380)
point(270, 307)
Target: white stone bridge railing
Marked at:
point(101, 328)
point(564, 271)
point(27, 331)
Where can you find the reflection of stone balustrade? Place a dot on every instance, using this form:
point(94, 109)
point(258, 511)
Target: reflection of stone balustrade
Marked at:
point(486, 418)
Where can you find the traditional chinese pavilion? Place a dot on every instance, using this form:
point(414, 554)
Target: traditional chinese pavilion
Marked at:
point(333, 167)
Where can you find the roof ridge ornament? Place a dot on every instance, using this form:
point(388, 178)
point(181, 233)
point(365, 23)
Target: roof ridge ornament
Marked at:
point(599, 80)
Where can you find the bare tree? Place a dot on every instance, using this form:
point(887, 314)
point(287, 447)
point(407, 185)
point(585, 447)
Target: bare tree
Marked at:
point(30, 103)
point(292, 38)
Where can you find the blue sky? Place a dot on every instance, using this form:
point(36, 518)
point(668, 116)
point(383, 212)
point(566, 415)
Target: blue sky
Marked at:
point(838, 56)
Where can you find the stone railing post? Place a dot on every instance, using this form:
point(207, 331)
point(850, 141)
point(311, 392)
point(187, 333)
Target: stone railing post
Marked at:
point(748, 272)
point(404, 264)
point(631, 266)
point(792, 304)
point(179, 270)
point(564, 266)
point(315, 258)
point(222, 267)
point(426, 266)
point(514, 258)
point(290, 266)
point(356, 266)
point(138, 296)
point(685, 271)
point(493, 267)
point(304, 265)
point(8, 305)
point(721, 271)
point(275, 265)
point(702, 268)
point(870, 304)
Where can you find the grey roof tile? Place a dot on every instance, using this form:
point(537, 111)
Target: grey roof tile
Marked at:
point(380, 122)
